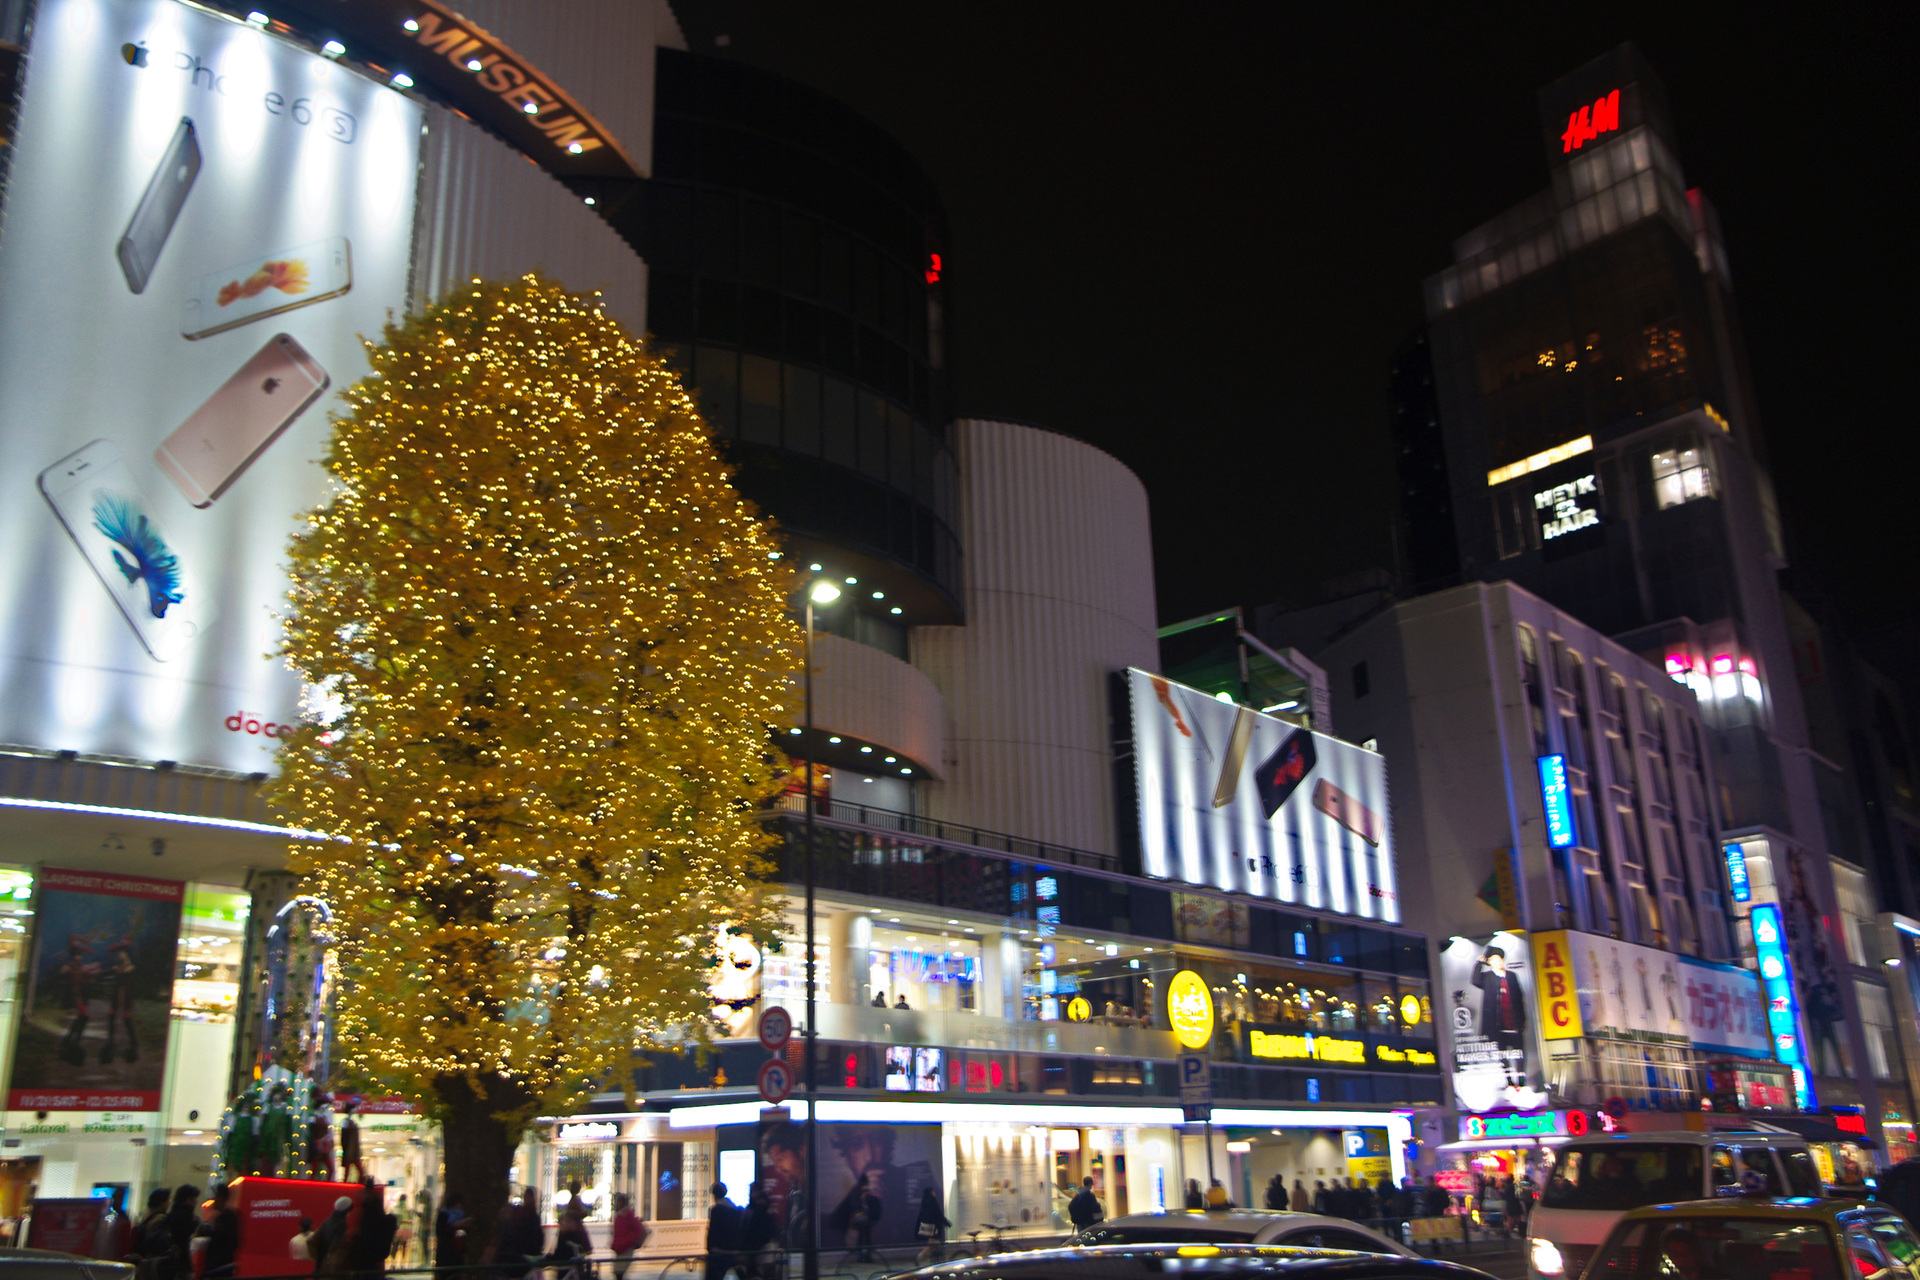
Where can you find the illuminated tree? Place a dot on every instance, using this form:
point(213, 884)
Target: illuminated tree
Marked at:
point(546, 639)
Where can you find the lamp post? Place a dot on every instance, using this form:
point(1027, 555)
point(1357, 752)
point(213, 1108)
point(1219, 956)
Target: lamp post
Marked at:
point(821, 593)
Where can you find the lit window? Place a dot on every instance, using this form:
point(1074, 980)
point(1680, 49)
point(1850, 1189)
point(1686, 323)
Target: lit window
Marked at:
point(1681, 475)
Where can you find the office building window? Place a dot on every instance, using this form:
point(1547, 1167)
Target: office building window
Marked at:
point(1876, 1018)
point(1681, 475)
point(1856, 913)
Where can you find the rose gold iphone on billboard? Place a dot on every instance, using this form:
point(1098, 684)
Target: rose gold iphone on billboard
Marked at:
point(210, 450)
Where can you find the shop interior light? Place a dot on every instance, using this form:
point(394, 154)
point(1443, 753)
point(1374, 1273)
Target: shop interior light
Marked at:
point(1722, 664)
point(1239, 1148)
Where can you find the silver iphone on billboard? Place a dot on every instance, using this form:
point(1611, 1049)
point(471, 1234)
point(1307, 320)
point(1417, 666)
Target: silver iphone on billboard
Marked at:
point(112, 525)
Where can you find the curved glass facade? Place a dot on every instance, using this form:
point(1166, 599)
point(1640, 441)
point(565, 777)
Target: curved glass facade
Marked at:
point(795, 255)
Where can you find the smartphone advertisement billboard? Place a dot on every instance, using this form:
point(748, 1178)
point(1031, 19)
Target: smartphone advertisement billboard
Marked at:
point(1238, 800)
point(201, 222)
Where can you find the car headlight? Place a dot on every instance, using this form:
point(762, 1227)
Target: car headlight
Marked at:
point(1546, 1258)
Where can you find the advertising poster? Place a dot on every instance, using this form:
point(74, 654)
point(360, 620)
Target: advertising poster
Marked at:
point(896, 1161)
point(1000, 1177)
point(1251, 803)
point(65, 1226)
point(1630, 992)
point(201, 221)
point(93, 1034)
point(1490, 1001)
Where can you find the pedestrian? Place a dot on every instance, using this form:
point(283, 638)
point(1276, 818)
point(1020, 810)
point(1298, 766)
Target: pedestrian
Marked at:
point(1196, 1199)
point(1300, 1202)
point(402, 1230)
point(1510, 1201)
point(757, 1230)
point(519, 1239)
point(931, 1226)
point(723, 1232)
point(629, 1233)
point(300, 1248)
point(449, 1236)
point(1084, 1209)
point(222, 1231)
point(571, 1243)
point(865, 1219)
point(367, 1253)
point(1322, 1198)
point(333, 1240)
point(1276, 1192)
point(152, 1241)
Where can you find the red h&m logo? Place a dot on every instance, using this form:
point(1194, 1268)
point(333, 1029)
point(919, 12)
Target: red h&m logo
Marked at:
point(1588, 123)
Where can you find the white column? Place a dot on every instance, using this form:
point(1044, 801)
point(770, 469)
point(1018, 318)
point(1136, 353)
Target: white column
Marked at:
point(850, 937)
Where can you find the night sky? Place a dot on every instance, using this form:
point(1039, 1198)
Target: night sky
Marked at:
point(1195, 235)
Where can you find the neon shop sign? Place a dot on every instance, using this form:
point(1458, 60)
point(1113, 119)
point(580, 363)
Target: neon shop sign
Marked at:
point(1568, 504)
point(1588, 123)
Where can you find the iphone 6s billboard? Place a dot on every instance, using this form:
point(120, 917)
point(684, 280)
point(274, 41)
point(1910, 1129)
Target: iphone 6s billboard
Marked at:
point(201, 220)
point(1238, 800)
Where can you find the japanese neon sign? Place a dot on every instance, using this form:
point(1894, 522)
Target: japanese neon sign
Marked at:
point(1737, 872)
point(1558, 801)
point(1783, 1011)
point(1588, 123)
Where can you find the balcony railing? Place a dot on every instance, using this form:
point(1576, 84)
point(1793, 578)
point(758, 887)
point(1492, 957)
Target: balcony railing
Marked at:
point(842, 813)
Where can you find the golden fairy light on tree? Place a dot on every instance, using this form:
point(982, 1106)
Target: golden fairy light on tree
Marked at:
point(546, 638)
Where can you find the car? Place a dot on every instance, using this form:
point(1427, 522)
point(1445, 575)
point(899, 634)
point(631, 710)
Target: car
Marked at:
point(1240, 1226)
point(1596, 1179)
point(48, 1264)
point(1797, 1238)
point(1221, 1261)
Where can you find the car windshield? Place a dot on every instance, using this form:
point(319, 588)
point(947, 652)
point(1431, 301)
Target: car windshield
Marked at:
point(1730, 1248)
point(1625, 1176)
point(1149, 1233)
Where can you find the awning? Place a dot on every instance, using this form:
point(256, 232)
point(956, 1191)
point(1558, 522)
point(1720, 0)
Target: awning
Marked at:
point(1816, 1129)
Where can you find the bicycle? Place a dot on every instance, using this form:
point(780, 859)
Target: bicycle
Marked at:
point(999, 1238)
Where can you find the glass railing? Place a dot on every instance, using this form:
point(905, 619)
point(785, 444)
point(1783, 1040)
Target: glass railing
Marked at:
point(842, 813)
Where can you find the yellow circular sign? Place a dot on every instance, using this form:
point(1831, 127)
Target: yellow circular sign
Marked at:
point(1410, 1010)
point(1190, 1010)
point(1078, 1010)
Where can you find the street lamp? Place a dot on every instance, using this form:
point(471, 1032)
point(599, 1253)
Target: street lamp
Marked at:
point(821, 593)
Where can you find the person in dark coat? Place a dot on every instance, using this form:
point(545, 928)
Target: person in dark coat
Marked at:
point(757, 1231)
point(723, 1233)
point(520, 1238)
point(367, 1253)
point(1084, 1209)
point(1196, 1199)
point(449, 1237)
point(223, 1237)
point(1276, 1197)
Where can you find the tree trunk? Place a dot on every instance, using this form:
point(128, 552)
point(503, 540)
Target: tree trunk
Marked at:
point(479, 1147)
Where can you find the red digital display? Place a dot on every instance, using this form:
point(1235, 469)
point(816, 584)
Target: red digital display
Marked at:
point(1588, 123)
point(1848, 1123)
point(933, 268)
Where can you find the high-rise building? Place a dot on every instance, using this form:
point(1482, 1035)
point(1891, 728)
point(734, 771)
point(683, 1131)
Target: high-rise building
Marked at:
point(1583, 385)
